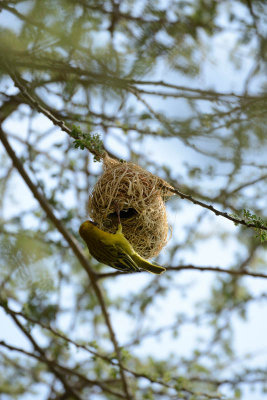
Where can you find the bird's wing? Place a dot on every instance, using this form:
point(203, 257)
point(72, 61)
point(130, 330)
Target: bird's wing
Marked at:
point(123, 261)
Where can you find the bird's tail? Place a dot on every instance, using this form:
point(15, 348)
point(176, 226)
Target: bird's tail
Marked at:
point(147, 266)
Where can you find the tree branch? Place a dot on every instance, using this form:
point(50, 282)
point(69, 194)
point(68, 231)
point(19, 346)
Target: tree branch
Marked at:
point(37, 348)
point(240, 272)
point(214, 210)
point(75, 247)
point(64, 369)
point(86, 140)
point(65, 128)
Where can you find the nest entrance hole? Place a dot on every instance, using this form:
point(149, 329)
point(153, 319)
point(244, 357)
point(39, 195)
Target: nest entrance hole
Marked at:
point(124, 214)
point(141, 198)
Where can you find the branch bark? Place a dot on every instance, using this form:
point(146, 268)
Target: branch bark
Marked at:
point(214, 210)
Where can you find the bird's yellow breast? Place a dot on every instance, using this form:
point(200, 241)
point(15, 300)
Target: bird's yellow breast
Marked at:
point(89, 231)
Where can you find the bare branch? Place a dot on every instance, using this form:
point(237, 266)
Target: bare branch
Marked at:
point(62, 368)
point(98, 153)
point(240, 272)
point(37, 348)
point(215, 211)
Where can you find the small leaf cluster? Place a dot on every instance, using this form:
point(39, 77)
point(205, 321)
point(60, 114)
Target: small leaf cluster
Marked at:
point(256, 220)
point(92, 142)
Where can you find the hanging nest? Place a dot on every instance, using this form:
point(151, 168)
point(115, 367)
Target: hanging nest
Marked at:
point(140, 197)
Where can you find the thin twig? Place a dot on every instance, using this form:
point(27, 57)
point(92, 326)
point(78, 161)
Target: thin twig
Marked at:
point(218, 269)
point(214, 210)
point(36, 105)
point(238, 272)
point(245, 185)
point(64, 369)
point(51, 364)
point(194, 90)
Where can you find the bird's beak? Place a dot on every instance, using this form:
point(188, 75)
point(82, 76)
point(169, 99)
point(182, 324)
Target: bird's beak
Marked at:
point(94, 223)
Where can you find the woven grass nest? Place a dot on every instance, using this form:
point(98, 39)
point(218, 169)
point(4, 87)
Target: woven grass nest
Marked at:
point(140, 197)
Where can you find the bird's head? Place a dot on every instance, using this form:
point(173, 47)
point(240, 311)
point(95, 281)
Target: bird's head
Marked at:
point(86, 227)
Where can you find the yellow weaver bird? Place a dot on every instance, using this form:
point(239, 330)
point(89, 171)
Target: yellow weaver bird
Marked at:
point(113, 249)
